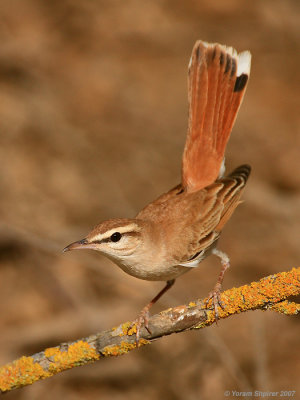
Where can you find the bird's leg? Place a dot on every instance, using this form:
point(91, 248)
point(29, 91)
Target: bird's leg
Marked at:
point(143, 317)
point(215, 293)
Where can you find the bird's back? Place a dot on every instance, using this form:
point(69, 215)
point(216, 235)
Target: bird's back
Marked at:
point(191, 222)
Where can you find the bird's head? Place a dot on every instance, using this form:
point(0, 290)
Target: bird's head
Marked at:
point(115, 238)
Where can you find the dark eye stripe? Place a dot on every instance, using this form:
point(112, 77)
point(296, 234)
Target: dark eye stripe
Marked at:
point(108, 239)
point(101, 241)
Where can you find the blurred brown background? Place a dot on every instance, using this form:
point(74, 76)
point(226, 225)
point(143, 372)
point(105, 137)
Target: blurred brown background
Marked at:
point(93, 116)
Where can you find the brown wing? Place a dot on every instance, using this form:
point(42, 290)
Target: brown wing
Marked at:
point(234, 185)
point(222, 198)
point(216, 85)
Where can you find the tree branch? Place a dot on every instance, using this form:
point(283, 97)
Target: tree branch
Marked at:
point(268, 293)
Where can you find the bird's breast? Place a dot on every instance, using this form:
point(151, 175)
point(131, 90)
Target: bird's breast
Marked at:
point(150, 271)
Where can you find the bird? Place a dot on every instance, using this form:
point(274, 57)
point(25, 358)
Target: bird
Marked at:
point(176, 232)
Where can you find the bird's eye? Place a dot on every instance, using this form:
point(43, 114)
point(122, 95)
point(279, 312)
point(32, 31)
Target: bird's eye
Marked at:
point(115, 237)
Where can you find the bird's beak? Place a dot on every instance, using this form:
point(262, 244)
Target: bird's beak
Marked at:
point(80, 245)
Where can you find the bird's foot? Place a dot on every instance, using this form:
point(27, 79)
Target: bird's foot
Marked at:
point(215, 296)
point(142, 319)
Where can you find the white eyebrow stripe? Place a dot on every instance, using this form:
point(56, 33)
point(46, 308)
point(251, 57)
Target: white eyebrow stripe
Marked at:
point(121, 229)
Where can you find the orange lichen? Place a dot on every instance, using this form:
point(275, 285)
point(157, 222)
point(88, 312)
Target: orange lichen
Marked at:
point(122, 348)
point(263, 295)
point(272, 288)
point(118, 350)
point(132, 330)
point(25, 371)
point(210, 318)
point(77, 353)
point(21, 372)
point(128, 328)
point(286, 307)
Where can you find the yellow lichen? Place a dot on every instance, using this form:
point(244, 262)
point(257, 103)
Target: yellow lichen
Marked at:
point(78, 353)
point(286, 307)
point(126, 327)
point(118, 350)
point(122, 348)
point(132, 330)
point(262, 294)
point(21, 373)
point(25, 371)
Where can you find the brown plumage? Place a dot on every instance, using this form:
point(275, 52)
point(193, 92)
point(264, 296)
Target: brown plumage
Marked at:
point(215, 93)
point(178, 230)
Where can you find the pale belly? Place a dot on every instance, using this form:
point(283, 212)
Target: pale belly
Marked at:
point(155, 273)
point(159, 272)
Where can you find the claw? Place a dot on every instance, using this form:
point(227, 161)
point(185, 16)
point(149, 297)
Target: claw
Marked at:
point(214, 295)
point(142, 319)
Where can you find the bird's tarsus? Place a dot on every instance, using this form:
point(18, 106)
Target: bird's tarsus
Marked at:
point(215, 296)
point(142, 319)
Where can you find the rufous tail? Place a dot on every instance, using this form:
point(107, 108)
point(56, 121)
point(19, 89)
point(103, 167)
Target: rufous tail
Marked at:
point(217, 82)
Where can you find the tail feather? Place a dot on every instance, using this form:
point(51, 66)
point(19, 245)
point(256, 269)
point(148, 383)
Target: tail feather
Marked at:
point(217, 82)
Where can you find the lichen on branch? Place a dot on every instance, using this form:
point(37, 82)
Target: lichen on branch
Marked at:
point(270, 293)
